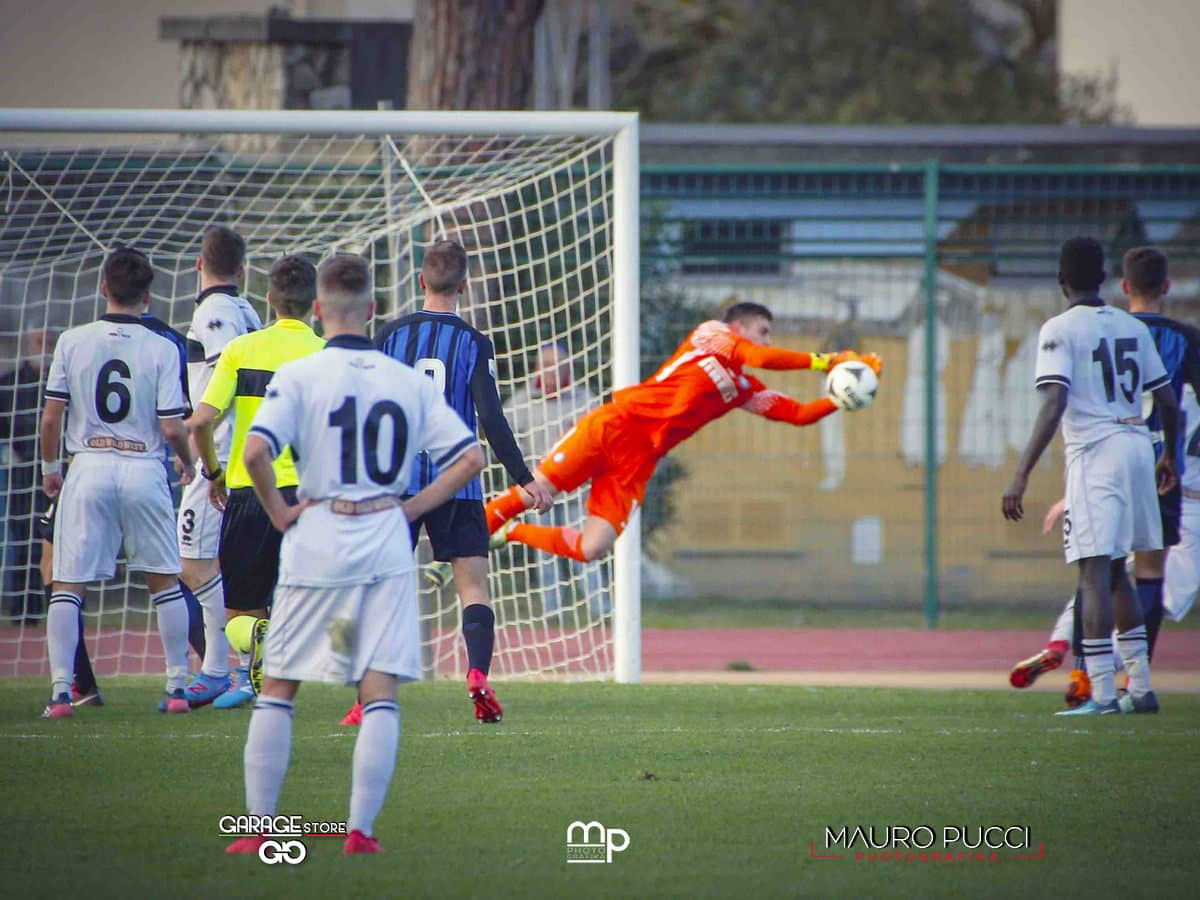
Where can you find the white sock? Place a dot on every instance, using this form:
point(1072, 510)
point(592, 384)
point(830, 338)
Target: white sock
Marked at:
point(1097, 656)
point(211, 595)
point(62, 636)
point(374, 762)
point(1135, 652)
point(268, 746)
point(171, 612)
point(244, 660)
point(1064, 628)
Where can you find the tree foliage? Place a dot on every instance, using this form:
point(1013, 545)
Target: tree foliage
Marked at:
point(884, 62)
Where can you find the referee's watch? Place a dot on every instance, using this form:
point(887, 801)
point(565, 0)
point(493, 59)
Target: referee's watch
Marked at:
point(211, 476)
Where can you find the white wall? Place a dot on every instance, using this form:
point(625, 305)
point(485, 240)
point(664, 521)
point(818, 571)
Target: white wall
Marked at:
point(107, 53)
point(1154, 45)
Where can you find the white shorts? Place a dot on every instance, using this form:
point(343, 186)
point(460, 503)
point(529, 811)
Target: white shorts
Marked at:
point(107, 497)
point(1111, 499)
point(199, 522)
point(1181, 581)
point(338, 633)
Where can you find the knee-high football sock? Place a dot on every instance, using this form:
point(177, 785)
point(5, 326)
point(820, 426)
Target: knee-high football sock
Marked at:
point(1150, 596)
point(211, 595)
point(85, 678)
point(1098, 659)
point(268, 746)
point(566, 542)
point(1063, 634)
point(62, 634)
point(195, 620)
point(374, 762)
point(1136, 655)
point(479, 631)
point(171, 612)
point(500, 509)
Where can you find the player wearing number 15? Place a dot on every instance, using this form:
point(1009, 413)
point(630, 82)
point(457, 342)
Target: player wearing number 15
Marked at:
point(1093, 363)
point(346, 606)
point(122, 383)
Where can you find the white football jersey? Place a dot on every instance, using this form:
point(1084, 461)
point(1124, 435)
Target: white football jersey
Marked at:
point(1190, 408)
point(118, 378)
point(220, 316)
point(1105, 358)
point(355, 419)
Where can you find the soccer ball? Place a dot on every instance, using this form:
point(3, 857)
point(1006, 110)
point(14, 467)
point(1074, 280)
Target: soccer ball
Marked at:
point(852, 385)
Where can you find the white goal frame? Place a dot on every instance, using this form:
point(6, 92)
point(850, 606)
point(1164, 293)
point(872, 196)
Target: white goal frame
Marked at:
point(625, 339)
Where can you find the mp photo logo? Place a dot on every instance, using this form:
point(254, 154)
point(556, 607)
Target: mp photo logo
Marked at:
point(591, 842)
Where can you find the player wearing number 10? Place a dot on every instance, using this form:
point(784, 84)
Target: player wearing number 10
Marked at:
point(346, 607)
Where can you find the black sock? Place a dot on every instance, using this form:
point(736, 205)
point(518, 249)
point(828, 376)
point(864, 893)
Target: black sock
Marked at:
point(1150, 596)
point(479, 630)
point(195, 620)
point(85, 678)
point(1077, 636)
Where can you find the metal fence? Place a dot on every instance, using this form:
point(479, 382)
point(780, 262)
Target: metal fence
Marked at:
point(947, 271)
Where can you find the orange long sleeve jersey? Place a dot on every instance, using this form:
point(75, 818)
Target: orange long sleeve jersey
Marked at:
point(703, 380)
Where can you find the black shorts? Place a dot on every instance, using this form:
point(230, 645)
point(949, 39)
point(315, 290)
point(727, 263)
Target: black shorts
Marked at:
point(1170, 508)
point(45, 523)
point(249, 550)
point(456, 529)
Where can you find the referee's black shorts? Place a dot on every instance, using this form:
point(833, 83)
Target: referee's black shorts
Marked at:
point(249, 550)
point(457, 528)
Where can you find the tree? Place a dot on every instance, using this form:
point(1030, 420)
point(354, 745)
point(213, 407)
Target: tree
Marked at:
point(888, 62)
point(472, 54)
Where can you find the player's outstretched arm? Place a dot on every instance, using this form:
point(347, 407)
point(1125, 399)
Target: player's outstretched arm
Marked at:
point(449, 482)
point(1054, 404)
point(782, 408)
point(50, 432)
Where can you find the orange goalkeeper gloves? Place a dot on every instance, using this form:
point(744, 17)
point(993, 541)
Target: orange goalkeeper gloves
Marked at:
point(823, 362)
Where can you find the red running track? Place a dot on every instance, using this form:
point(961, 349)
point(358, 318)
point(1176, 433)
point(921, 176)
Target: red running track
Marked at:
point(778, 650)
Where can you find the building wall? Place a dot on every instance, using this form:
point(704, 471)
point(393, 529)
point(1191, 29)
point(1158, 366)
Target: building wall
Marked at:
point(1151, 44)
point(87, 54)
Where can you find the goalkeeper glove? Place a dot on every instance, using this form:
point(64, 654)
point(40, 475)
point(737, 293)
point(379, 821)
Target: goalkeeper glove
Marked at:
point(874, 361)
point(823, 362)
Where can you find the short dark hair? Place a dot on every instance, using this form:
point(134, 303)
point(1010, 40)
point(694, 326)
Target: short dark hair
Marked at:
point(1145, 268)
point(293, 285)
point(444, 267)
point(1081, 264)
point(127, 276)
point(346, 273)
point(744, 310)
point(223, 251)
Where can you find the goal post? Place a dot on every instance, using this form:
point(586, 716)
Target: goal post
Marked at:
point(546, 204)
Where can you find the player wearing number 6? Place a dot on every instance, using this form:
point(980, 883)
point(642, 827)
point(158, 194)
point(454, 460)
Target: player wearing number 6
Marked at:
point(462, 364)
point(346, 606)
point(122, 383)
point(1093, 363)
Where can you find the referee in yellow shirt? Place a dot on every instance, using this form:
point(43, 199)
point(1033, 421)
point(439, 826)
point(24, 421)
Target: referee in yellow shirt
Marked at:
point(249, 548)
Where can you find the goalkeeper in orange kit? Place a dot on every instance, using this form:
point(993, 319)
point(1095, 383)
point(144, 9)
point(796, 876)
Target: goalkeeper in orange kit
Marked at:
point(617, 446)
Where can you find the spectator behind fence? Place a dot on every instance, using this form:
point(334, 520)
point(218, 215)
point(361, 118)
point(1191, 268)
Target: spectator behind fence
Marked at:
point(20, 503)
point(539, 414)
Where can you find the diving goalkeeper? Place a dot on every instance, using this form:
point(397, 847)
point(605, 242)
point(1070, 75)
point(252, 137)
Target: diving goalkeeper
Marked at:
point(617, 446)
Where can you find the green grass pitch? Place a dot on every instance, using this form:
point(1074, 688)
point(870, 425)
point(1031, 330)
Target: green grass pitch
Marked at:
point(721, 790)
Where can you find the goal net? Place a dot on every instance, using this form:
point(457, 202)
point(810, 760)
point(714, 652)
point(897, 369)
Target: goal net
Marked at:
point(546, 206)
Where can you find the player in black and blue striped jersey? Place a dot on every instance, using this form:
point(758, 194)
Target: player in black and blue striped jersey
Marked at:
point(462, 363)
